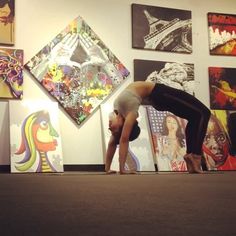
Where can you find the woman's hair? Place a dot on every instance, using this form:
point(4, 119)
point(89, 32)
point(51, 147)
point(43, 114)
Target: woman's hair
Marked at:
point(133, 135)
point(179, 133)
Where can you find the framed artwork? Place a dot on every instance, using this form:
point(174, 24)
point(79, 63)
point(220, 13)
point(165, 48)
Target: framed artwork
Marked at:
point(161, 29)
point(35, 137)
point(218, 142)
point(168, 138)
point(174, 74)
point(222, 34)
point(11, 73)
point(140, 156)
point(7, 22)
point(78, 70)
point(222, 85)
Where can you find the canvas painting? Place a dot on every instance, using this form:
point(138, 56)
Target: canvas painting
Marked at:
point(222, 34)
point(218, 141)
point(35, 137)
point(7, 22)
point(161, 29)
point(168, 137)
point(173, 74)
point(11, 73)
point(222, 85)
point(78, 70)
point(140, 156)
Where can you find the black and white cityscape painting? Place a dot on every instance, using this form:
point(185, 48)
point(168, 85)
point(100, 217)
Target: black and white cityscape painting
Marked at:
point(161, 29)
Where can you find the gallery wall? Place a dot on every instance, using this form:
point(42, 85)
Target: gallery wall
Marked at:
point(38, 22)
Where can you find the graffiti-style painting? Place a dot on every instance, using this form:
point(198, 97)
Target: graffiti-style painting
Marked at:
point(7, 22)
point(140, 157)
point(161, 29)
point(222, 34)
point(35, 137)
point(222, 85)
point(11, 73)
point(168, 137)
point(218, 142)
point(173, 74)
point(78, 70)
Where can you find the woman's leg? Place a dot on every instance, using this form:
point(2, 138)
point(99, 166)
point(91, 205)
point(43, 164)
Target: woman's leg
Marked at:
point(185, 106)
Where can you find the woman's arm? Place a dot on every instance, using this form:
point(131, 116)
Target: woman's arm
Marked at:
point(130, 120)
point(111, 149)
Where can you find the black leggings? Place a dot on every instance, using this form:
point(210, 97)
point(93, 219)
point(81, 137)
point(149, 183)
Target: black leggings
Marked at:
point(186, 106)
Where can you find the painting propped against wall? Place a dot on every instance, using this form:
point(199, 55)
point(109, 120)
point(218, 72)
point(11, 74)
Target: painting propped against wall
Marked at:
point(7, 22)
point(78, 70)
point(35, 137)
point(173, 74)
point(168, 136)
point(140, 156)
point(222, 85)
point(218, 142)
point(161, 29)
point(11, 73)
point(222, 34)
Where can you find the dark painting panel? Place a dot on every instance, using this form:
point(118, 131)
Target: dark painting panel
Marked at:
point(162, 29)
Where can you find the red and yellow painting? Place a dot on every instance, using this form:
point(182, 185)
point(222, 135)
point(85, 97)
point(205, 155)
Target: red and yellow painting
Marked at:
point(222, 34)
point(222, 86)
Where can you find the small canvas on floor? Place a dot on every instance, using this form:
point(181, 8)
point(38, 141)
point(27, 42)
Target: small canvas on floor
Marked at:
point(140, 157)
point(35, 137)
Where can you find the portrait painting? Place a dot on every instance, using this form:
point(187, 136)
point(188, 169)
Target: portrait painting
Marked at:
point(7, 22)
point(11, 73)
point(35, 138)
point(222, 34)
point(161, 29)
point(222, 86)
point(77, 70)
point(174, 74)
point(168, 138)
point(218, 142)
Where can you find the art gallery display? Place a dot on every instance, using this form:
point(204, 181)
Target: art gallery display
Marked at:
point(222, 86)
point(173, 74)
point(11, 73)
point(35, 137)
point(222, 34)
point(161, 28)
point(7, 22)
point(78, 70)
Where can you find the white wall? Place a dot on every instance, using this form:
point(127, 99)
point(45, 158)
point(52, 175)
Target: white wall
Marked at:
point(38, 22)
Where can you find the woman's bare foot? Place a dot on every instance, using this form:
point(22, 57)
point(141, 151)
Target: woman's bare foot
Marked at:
point(193, 162)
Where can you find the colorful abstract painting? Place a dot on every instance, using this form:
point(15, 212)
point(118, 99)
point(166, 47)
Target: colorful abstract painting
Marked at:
point(162, 29)
point(7, 21)
point(140, 156)
point(218, 142)
point(173, 74)
point(222, 85)
point(35, 137)
point(78, 70)
point(222, 34)
point(168, 137)
point(11, 73)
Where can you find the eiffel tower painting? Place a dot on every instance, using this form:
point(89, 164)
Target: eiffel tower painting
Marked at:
point(162, 29)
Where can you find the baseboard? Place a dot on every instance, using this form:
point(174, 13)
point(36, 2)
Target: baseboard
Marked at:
point(7, 169)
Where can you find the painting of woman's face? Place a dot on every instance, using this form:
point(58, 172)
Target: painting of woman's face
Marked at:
point(216, 143)
point(171, 123)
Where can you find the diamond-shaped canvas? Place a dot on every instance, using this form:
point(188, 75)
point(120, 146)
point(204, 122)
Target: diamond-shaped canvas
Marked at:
point(11, 73)
point(78, 70)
